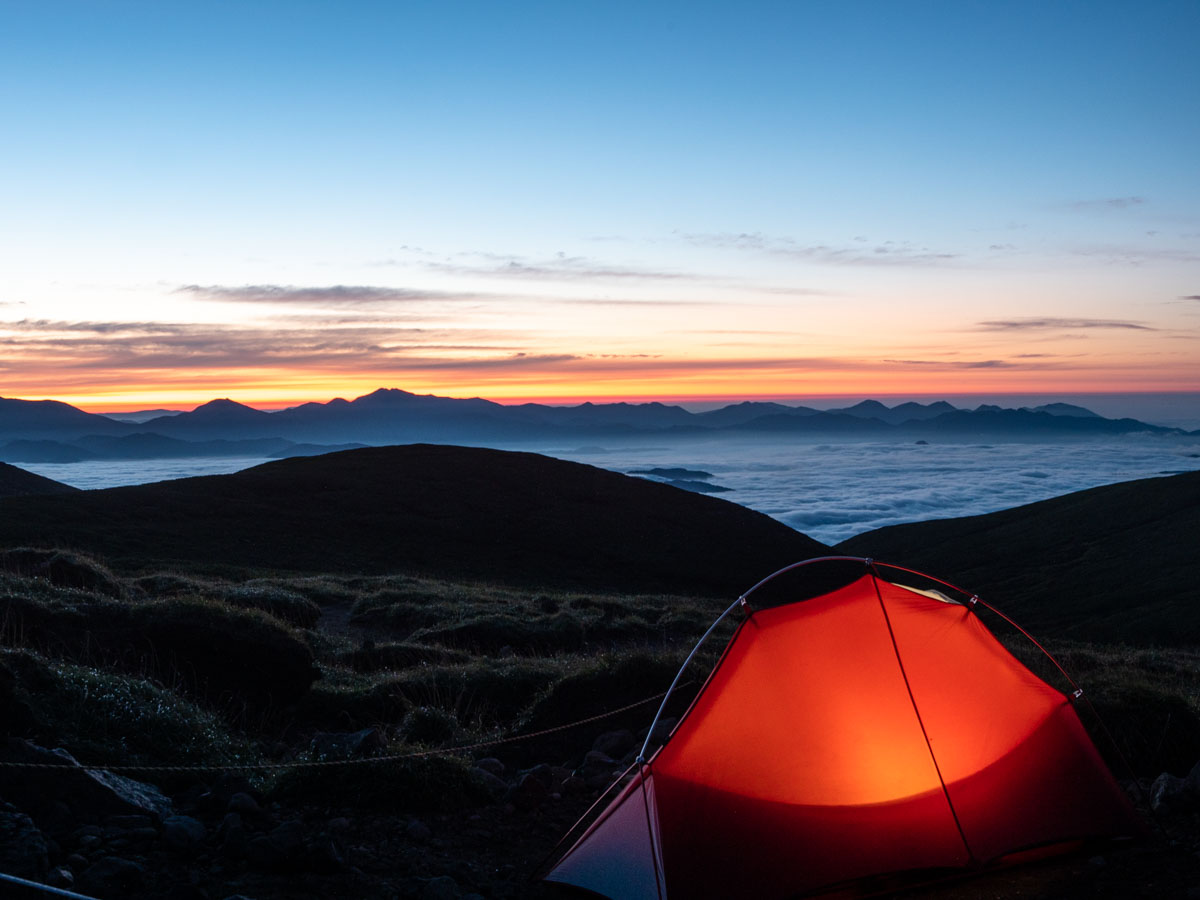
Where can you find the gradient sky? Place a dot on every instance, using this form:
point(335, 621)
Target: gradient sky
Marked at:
point(291, 201)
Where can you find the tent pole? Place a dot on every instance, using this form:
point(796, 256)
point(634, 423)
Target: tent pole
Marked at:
point(641, 757)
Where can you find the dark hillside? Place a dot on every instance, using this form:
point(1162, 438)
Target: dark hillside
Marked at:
point(1114, 563)
point(458, 512)
point(16, 482)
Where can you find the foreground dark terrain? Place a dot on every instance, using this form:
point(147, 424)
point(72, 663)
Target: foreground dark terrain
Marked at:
point(404, 602)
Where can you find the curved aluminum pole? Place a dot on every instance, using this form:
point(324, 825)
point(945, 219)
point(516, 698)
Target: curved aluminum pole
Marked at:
point(641, 757)
point(807, 562)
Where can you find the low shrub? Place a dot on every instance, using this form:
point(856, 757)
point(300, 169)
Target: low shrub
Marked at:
point(285, 605)
point(105, 717)
point(63, 569)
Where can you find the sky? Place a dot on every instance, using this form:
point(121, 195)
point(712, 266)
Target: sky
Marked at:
point(698, 201)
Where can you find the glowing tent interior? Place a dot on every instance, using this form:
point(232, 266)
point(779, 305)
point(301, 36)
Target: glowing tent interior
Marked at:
point(873, 728)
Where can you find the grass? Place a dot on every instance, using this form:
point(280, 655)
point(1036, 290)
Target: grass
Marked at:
point(177, 666)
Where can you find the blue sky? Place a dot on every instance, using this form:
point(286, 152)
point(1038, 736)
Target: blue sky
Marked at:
point(620, 199)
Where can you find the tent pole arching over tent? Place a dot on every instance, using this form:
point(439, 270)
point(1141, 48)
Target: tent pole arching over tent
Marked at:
point(881, 731)
point(740, 602)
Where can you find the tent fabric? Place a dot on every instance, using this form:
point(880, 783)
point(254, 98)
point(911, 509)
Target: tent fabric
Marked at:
point(874, 729)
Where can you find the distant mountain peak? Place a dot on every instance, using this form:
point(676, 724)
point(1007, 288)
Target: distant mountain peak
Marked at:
point(223, 406)
point(1064, 409)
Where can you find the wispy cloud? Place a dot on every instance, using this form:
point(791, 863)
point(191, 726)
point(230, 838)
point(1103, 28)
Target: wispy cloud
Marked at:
point(335, 295)
point(954, 364)
point(1106, 204)
point(141, 346)
point(559, 267)
point(1192, 297)
point(1133, 255)
point(1051, 324)
point(885, 253)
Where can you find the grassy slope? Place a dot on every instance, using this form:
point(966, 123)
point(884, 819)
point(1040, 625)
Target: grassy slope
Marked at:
point(1115, 563)
point(16, 482)
point(445, 661)
point(458, 512)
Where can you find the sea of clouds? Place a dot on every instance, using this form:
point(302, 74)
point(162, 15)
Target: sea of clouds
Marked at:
point(830, 491)
point(833, 491)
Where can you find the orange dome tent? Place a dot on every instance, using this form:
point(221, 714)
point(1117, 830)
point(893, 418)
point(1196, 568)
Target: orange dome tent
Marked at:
point(872, 729)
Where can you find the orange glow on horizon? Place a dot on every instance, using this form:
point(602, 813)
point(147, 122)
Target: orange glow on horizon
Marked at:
point(272, 394)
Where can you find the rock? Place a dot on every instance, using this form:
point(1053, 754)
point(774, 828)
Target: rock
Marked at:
point(61, 877)
point(615, 743)
point(111, 876)
point(528, 793)
point(23, 849)
point(662, 730)
point(348, 745)
point(288, 838)
point(128, 823)
point(573, 784)
point(55, 819)
point(183, 834)
point(262, 853)
point(1171, 794)
point(1193, 779)
point(242, 802)
point(325, 855)
point(495, 786)
point(86, 792)
point(596, 764)
point(218, 797)
point(441, 888)
point(542, 773)
point(232, 836)
point(418, 831)
point(492, 765)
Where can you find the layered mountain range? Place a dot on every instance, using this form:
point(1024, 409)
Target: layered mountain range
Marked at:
point(50, 431)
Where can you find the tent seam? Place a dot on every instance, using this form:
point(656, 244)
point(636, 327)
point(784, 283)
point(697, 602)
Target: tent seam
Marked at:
point(920, 721)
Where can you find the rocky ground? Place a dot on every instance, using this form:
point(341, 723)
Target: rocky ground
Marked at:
point(222, 838)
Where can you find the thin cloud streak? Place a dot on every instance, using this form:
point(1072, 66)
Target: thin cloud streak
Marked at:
point(1106, 205)
point(1045, 324)
point(335, 295)
point(575, 268)
point(887, 253)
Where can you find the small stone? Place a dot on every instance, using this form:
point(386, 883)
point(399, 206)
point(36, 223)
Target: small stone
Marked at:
point(1171, 794)
point(441, 888)
point(56, 819)
point(262, 853)
point(111, 875)
point(242, 802)
point(528, 793)
point(183, 834)
point(418, 831)
point(495, 786)
point(615, 743)
point(61, 877)
point(491, 764)
point(128, 823)
point(288, 838)
point(543, 773)
point(23, 849)
point(234, 841)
